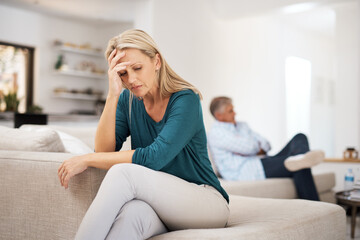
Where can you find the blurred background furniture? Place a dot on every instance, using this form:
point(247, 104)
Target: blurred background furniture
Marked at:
point(29, 118)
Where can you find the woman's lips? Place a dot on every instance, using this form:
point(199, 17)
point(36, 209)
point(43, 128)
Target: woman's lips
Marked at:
point(136, 87)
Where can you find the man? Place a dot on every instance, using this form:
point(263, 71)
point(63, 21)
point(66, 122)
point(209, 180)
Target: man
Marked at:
point(239, 153)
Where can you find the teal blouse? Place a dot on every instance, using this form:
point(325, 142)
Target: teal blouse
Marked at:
point(176, 145)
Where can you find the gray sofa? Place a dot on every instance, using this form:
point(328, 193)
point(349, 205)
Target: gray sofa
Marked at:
point(33, 205)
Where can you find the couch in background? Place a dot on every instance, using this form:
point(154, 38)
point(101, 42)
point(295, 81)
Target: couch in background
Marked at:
point(282, 188)
point(33, 205)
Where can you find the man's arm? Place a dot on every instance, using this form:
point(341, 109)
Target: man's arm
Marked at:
point(264, 144)
point(233, 142)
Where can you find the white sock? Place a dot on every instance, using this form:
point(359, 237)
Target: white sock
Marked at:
point(301, 161)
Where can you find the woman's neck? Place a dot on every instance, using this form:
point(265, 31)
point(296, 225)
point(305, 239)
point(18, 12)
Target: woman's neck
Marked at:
point(152, 98)
point(155, 105)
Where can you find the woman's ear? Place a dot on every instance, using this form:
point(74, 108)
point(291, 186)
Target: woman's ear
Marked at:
point(157, 61)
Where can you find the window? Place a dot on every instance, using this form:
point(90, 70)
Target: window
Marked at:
point(298, 95)
point(16, 77)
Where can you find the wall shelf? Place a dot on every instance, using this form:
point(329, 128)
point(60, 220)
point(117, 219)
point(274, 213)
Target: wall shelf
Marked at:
point(77, 96)
point(83, 74)
point(88, 52)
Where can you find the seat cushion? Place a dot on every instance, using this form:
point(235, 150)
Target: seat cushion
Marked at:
point(263, 218)
point(276, 187)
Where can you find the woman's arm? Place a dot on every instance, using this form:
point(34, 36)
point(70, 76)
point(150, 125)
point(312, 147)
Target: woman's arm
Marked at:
point(78, 164)
point(105, 133)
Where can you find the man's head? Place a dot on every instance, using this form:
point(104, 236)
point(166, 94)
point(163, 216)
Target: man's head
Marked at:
point(222, 109)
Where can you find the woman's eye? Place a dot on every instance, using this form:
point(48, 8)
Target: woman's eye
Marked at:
point(122, 73)
point(138, 68)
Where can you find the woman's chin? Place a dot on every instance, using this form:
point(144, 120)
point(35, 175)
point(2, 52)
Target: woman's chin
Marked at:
point(138, 95)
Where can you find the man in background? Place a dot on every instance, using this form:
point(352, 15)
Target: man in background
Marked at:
point(240, 153)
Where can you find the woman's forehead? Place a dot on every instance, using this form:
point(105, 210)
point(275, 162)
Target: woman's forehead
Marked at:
point(132, 54)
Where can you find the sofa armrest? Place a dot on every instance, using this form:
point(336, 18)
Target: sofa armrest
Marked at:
point(33, 204)
point(280, 187)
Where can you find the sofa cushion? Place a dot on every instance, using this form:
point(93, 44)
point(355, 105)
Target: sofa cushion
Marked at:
point(21, 140)
point(279, 187)
point(72, 144)
point(85, 134)
point(262, 218)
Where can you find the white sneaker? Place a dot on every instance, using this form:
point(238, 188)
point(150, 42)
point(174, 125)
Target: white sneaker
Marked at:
point(307, 160)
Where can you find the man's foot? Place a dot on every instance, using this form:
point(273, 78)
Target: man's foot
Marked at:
point(307, 160)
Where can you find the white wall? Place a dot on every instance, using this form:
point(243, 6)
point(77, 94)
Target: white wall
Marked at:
point(347, 85)
point(244, 58)
point(255, 68)
point(39, 31)
point(185, 35)
point(252, 74)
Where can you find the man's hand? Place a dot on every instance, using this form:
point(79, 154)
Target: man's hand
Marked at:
point(261, 152)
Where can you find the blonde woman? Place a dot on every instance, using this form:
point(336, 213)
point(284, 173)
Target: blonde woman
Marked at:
point(166, 181)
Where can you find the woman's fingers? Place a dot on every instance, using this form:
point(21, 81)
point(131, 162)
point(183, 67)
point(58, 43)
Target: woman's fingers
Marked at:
point(112, 54)
point(116, 58)
point(121, 66)
point(70, 168)
point(60, 172)
point(66, 180)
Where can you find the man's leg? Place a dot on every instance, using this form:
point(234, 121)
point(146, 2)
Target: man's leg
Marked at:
point(136, 221)
point(297, 145)
point(274, 167)
point(305, 185)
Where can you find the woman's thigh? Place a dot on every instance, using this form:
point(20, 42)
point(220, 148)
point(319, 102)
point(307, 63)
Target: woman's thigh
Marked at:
point(178, 203)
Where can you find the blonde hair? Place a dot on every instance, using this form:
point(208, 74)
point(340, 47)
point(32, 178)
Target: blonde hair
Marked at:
point(168, 81)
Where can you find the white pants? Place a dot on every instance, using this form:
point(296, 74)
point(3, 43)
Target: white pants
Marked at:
point(178, 203)
point(136, 221)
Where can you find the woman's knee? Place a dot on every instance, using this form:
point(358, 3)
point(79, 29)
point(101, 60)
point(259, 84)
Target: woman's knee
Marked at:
point(121, 169)
point(142, 217)
point(136, 209)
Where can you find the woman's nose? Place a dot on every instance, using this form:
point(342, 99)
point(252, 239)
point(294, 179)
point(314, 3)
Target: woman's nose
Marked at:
point(131, 78)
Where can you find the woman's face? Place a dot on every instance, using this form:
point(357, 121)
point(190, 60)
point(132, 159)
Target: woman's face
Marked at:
point(140, 75)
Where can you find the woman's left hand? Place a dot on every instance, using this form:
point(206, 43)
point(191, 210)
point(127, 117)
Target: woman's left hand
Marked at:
point(70, 168)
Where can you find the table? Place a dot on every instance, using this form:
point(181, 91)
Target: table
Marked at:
point(344, 198)
point(342, 160)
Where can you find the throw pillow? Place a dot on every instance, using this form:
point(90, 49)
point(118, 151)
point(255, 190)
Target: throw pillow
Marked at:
point(21, 140)
point(71, 144)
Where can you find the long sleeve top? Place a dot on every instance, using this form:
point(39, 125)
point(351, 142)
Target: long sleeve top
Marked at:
point(176, 145)
point(234, 148)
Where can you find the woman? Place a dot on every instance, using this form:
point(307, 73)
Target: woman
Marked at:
point(166, 181)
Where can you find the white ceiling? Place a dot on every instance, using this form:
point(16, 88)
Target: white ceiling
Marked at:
point(235, 8)
point(98, 10)
point(123, 10)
